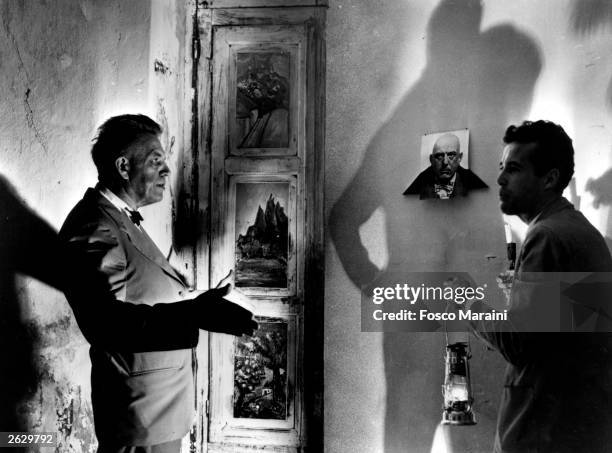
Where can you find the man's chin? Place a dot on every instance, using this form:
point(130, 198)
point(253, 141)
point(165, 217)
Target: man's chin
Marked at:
point(506, 208)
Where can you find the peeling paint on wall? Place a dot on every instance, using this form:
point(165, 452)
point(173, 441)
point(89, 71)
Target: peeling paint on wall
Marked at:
point(74, 421)
point(66, 69)
point(161, 68)
point(26, 77)
point(162, 119)
point(64, 413)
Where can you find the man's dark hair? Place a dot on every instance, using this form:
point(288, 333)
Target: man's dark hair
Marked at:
point(554, 148)
point(115, 136)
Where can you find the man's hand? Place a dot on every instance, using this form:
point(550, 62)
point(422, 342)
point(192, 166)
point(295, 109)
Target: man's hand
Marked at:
point(216, 314)
point(504, 282)
point(460, 282)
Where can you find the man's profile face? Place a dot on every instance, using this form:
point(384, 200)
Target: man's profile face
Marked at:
point(520, 189)
point(445, 158)
point(148, 170)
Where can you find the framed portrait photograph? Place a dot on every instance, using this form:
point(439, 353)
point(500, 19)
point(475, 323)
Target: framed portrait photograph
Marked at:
point(445, 167)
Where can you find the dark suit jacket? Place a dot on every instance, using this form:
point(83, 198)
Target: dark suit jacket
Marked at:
point(465, 181)
point(142, 364)
point(558, 386)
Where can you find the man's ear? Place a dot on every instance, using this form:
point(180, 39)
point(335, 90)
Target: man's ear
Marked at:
point(431, 159)
point(551, 180)
point(459, 156)
point(122, 164)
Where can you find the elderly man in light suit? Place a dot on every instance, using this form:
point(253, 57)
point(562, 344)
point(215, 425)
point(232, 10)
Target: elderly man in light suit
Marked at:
point(131, 305)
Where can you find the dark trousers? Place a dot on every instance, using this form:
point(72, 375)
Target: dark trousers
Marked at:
point(174, 446)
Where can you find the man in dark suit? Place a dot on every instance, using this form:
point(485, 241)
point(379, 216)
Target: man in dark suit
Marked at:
point(557, 390)
point(445, 178)
point(135, 310)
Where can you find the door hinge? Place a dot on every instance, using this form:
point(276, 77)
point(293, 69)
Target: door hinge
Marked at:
point(207, 408)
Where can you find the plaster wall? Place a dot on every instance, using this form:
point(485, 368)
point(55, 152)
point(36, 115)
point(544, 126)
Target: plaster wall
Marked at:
point(395, 71)
point(66, 67)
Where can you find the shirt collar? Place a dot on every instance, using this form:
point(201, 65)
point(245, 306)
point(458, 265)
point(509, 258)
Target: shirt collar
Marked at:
point(552, 206)
point(448, 188)
point(114, 199)
point(451, 182)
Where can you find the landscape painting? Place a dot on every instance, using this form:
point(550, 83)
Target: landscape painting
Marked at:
point(261, 235)
point(262, 99)
point(260, 372)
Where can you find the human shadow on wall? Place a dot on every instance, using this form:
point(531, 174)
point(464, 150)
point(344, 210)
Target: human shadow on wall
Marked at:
point(477, 80)
point(601, 189)
point(588, 18)
point(28, 246)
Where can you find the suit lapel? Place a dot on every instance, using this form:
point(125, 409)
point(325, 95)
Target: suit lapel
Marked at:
point(139, 238)
point(145, 245)
point(458, 187)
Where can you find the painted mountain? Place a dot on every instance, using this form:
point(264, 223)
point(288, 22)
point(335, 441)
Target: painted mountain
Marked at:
point(261, 253)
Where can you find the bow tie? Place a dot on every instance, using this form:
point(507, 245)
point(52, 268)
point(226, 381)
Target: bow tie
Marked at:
point(444, 190)
point(135, 217)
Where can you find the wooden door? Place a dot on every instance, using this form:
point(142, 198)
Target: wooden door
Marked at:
point(266, 226)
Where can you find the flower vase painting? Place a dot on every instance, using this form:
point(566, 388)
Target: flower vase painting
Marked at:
point(262, 99)
point(262, 235)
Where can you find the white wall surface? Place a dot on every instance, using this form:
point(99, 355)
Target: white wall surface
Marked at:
point(399, 69)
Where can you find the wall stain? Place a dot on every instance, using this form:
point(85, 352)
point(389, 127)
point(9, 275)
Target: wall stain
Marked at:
point(74, 420)
point(87, 9)
point(65, 414)
point(193, 439)
point(161, 68)
point(26, 100)
point(59, 333)
point(31, 123)
point(21, 65)
point(162, 119)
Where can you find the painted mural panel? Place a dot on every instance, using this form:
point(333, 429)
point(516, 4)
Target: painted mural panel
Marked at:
point(260, 372)
point(262, 99)
point(261, 235)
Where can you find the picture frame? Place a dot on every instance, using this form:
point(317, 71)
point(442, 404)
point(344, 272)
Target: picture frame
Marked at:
point(445, 159)
point(266, 82)
point(262, 223)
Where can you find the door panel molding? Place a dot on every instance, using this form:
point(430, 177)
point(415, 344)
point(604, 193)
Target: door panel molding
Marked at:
point(238, 161)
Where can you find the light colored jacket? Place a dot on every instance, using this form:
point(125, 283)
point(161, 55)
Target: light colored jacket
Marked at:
point(142, 361)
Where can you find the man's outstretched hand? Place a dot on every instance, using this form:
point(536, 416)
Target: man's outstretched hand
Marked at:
point(216, 314)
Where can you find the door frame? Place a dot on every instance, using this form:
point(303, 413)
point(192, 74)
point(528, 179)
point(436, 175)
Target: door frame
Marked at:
point(201, 18)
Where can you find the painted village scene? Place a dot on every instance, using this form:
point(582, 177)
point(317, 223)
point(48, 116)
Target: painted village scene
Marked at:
point(262, 235)
point(260, 376)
